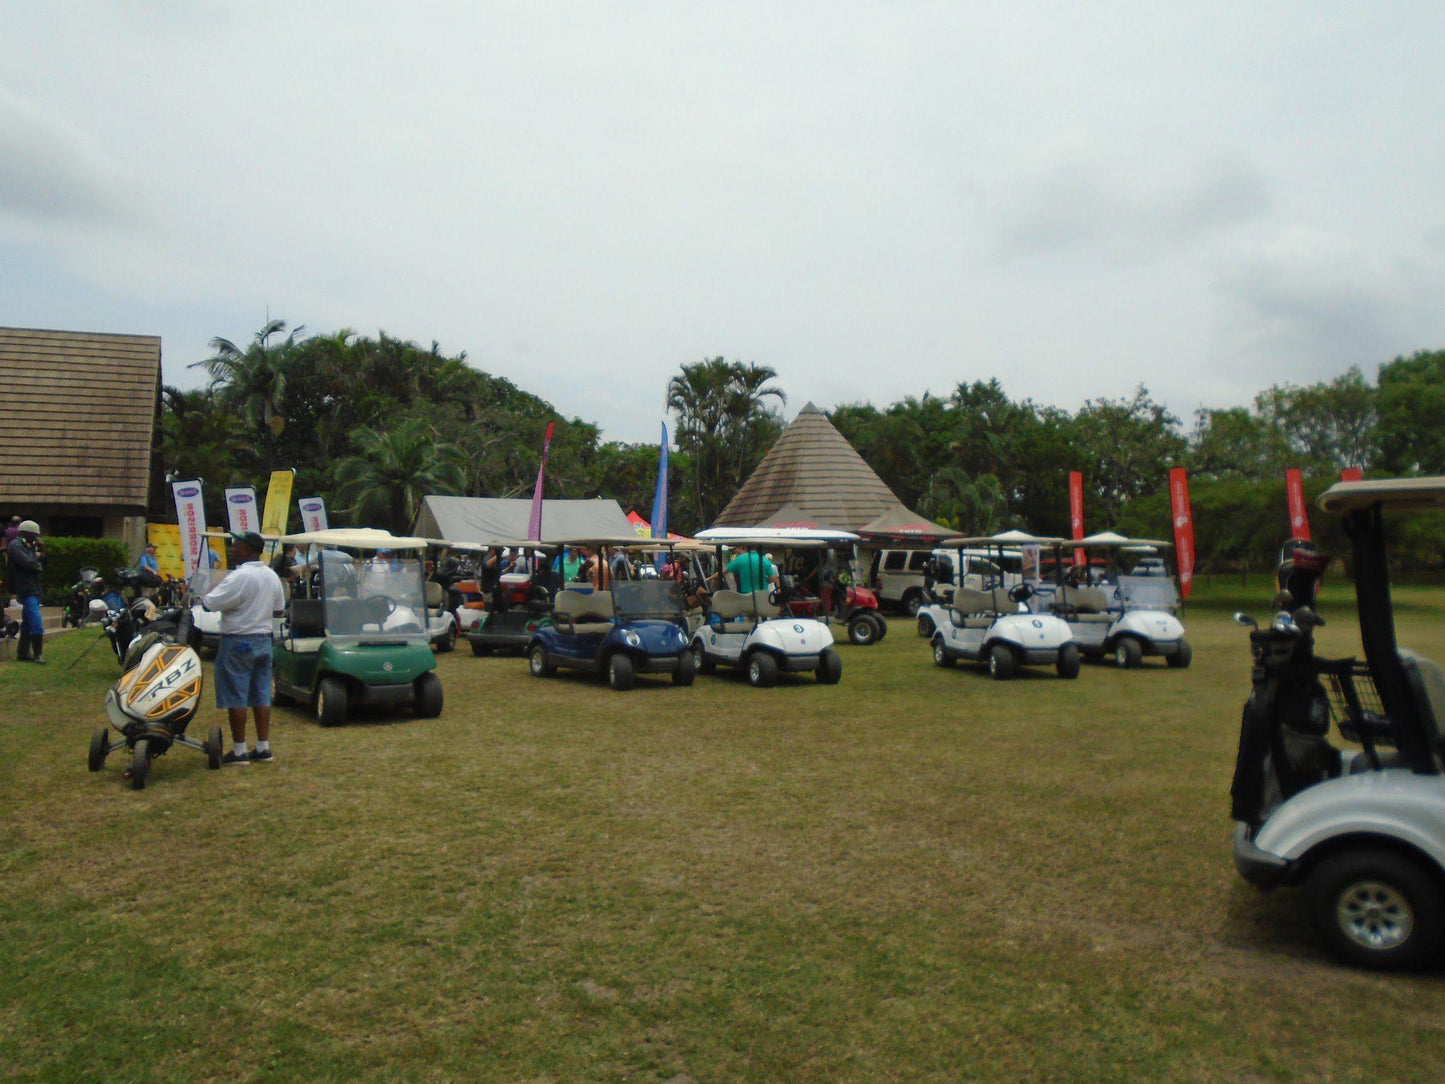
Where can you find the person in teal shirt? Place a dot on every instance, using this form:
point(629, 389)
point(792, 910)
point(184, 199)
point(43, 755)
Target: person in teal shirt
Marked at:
point(752, 570)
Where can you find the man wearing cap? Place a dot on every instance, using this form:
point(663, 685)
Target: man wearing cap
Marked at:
point(247, 600)
point(26, 556)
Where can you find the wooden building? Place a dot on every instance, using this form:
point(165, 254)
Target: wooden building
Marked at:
point(78, 444)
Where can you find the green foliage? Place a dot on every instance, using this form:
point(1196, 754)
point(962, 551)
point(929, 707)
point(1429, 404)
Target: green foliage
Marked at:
point(384, 483)
point(65, 557)
point(1412, 414)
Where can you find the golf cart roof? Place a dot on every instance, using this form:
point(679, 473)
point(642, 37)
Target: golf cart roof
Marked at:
point(734, 542)
point(774, 536)
point(1394, 494)
point(1007, 538)
point(359, 538)
point(616, 542)
point(1110, 540)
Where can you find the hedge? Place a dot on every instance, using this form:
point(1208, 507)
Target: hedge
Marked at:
point(65, 557)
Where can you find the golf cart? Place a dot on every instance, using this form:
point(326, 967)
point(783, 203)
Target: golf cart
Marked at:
point(1121, 613)
point(441, 622)
point(752, 631)
point(996, 625)
point(521, 601)
point(1363, 830)
point(636, 626)
point(357, 633)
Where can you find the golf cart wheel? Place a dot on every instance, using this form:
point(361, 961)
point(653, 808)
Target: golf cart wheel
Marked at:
point(913, 602)
point(1376, 908)
point(621, 674)
point(448, 642)
point(830, 667)
point(1001, 663)
point(1181, 659)
point(215, 749)
point(941, 657)
point(879, 622)
point(538, 663)
point(861, 630)
point(1067, 664)
point(926, 627)
point(705, 665)
point(762, 669)
point(140, 764)
point(99, 748)
point(427, 696)
point(331, 702)
point(686, 669)
point(1128, 654)
point(481, 651)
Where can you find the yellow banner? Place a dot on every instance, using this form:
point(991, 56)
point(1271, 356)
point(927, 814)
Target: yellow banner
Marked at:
point(278, 503)
point(166, 538)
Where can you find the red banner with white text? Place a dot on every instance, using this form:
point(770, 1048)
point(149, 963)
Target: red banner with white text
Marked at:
point(1299, 520)
point(1183, 528)
point(1076, 514)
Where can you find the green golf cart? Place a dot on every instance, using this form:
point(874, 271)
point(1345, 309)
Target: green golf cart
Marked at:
point(356, 633)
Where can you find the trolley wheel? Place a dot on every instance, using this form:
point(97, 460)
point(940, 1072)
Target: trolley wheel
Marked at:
point(215, 748)
point(140, 764)
point(99, 748)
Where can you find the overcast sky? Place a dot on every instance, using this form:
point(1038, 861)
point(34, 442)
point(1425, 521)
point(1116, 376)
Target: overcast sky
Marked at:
point(874, 199)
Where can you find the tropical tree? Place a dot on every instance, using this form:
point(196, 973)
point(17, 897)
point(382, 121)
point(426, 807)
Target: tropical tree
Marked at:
point(252, 381)
point(384, 483)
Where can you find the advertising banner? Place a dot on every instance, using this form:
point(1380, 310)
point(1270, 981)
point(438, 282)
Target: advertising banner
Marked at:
point(313, 513)
point(278, 504)
point(1076, 514)
point(1299, 520)
point(191, 516)
point(241, 510)
point(1183, 528)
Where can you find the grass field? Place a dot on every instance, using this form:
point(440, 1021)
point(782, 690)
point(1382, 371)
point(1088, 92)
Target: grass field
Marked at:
point(916, 875)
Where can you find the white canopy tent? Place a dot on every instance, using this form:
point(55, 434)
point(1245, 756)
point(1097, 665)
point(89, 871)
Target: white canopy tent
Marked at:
point(491, 519)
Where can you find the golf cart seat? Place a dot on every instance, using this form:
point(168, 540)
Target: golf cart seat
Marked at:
point(583, 613)
point(1089, 603)
point(436, 594)
point(741, 612)
point(305, 625)
point(1426, 680)
point(974, 609)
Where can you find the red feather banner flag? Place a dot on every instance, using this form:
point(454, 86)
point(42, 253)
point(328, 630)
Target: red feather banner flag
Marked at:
point(1183, 528)
point(1076, 514)
point(1352, 474)
point(534, 525)
point(1299, 520)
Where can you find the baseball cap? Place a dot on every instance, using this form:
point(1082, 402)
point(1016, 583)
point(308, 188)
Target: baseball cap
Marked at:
point(248, 538)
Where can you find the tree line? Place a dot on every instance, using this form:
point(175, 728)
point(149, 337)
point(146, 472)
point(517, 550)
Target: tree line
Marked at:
point(374, 424)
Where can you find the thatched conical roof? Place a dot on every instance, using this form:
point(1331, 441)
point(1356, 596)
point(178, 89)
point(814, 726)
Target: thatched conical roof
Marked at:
point(813, 467)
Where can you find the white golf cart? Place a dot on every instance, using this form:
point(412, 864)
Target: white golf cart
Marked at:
point(996, 625)
point(1363, 832)
point(750, 631)
point(1126, 615)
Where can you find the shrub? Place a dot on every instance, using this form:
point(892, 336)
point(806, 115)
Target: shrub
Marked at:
point(65, 557)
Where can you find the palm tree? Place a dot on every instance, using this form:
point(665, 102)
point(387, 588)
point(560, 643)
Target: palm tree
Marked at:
point(394, 470)
point(253, 381)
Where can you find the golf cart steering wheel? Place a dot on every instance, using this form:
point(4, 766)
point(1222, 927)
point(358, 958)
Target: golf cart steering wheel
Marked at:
point(774, 597)
point(1021, 592)
point(383, 603)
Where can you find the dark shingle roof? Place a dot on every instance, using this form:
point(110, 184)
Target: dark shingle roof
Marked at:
point(813, 467)
point(77, 410)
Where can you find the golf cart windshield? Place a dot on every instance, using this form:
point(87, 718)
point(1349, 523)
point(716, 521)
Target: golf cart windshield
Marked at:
point(1148, 593)
point(647, 598)
point(373, 597)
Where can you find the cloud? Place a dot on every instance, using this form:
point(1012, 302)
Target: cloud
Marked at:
point(50, 172)
point(1076, 203)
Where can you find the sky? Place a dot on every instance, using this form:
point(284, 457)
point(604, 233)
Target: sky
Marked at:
point(874, 199)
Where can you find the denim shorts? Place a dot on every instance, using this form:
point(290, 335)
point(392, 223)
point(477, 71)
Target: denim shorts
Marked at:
point(243, 671)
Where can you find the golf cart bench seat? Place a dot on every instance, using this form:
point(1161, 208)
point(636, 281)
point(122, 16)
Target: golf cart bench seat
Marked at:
point(1426, 680)
point(306, 617)
point(583, 613)
point(739, 611)
point(1089, 603)
point(970, 602)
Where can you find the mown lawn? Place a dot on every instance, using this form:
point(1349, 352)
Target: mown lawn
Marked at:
point(916, 875)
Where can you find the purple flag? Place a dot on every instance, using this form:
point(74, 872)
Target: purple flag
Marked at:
point(534, 525)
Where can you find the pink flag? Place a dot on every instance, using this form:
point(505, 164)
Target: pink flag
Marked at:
point(1299, 521)
point(534, 525)
point(1183, 528)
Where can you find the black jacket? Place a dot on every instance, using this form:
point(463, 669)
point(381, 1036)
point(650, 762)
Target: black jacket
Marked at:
point(22, 573)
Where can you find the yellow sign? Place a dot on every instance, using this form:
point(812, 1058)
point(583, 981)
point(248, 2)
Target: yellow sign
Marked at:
point(278, 503)
point(166, 538)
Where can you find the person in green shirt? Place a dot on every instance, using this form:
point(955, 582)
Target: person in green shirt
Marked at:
point(752, 570)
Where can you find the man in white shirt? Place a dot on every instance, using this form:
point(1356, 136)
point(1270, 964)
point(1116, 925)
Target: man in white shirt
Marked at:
point(247, 600)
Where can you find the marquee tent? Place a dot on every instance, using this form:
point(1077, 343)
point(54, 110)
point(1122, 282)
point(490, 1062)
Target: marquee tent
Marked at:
point(493, 519)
